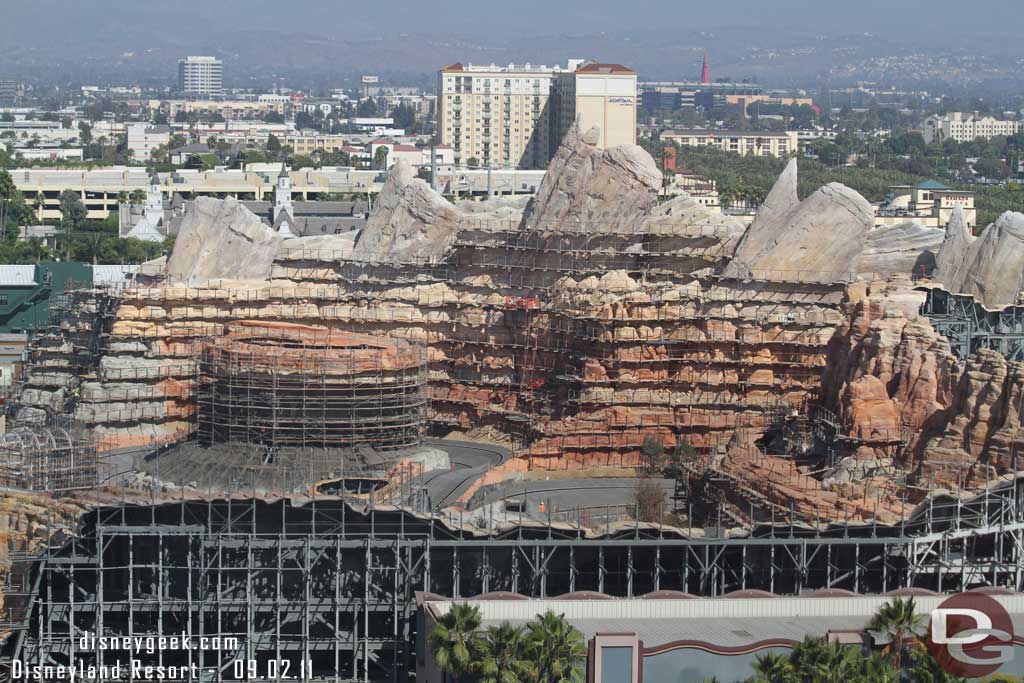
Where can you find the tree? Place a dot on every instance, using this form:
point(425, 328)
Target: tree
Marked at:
point(454, 640)
point(649, 500)
point(72, 210)
point(472, 162)
point(404, 116)
point(273, 117)
point(556, 648)
point(273, 144)
point(992, 168)
point(772, 667)
point(504, 656)
point(39, 204)
point(380, 158)
point(367, 108)
point(137, 197)
point(651, 450)
point(815, 661)
point(897, 622)
point(84, 133)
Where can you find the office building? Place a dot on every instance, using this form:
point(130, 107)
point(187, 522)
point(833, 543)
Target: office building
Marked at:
point(201, 76)
point(515, 116)
point(142, 139)
point(966, 127)
point(757, 143)
point(10, 91)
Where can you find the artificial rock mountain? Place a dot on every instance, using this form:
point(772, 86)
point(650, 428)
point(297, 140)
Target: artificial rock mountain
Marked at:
point(600, 319)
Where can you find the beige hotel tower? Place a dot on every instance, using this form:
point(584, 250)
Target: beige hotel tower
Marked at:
point(515, 116)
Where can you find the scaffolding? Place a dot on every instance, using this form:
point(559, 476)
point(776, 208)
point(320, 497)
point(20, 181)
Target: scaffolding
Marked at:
point(51, 460)
point(334, 586)
point(969, 326)
point(277, 384)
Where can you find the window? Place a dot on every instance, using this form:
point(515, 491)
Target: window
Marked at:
point(616, 665)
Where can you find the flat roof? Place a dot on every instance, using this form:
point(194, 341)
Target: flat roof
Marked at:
point(722, 623)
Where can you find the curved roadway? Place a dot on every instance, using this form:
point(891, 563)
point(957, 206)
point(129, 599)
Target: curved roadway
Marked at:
point(469, 461)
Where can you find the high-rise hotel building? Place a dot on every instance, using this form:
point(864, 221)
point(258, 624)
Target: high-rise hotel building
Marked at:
point(515, 116)
point(201, 76)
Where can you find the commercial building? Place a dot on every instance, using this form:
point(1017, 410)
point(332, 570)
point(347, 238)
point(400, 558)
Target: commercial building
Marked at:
point(143, 138)
point(515, 116)
point(49, 153)
point(966, 127)
point(756, 143)
point(230, 110)
point(673, 637)
point(26, 290)
point(10, 91)
point(748, 101)
point(672, 95)
point(201, 76)
point(102, 189)
point(929, 203)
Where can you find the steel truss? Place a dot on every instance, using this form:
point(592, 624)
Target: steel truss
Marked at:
point(969, 326)
point(326, 583)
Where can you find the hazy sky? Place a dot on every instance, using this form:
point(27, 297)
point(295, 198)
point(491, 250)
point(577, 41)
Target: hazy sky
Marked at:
point(939, 19)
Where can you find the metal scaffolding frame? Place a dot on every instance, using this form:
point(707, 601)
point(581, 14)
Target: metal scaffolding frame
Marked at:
point(305, 387)
point(969, 326)
point(334, 586)
point(52, 460)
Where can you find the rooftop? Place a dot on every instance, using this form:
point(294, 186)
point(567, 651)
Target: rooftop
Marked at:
point(669, 620)
point(597, 68)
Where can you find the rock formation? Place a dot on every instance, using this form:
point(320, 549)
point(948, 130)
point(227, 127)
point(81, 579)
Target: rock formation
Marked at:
point(990, 266)
point(905, 248)
point(888, 368)
point(787, 240)
point(221, 239)
point(984, 421)
point(774, 214)
point(600, 190)
point(410, 221)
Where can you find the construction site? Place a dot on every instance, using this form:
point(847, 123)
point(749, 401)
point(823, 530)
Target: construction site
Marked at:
point(277, 441)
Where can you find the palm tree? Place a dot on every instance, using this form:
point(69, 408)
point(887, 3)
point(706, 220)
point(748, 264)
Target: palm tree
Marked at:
point(39, 203)
point(556, 648)
point(897, 622)
point(927, 670)
point(455, 640)
point(772, 667)
point(504, 659)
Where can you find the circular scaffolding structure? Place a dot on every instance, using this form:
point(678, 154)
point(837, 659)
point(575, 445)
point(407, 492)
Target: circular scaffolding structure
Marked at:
point(281, 384)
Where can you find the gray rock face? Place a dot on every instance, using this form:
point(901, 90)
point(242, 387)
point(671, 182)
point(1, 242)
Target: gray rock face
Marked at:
point(221, 239)
point(775, 211)
point(409, 222)
point(819, 239)
point(602, 191)
point(953, 253)
point(989, 266)
point(906, 248)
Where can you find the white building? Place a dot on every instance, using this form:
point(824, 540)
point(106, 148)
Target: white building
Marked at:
point(966, 127)
point(144, 138)
point(515, 116)
point(201, 76)
point(756, 143)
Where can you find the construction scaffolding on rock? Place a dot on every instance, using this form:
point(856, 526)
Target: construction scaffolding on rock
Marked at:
point(280, 384)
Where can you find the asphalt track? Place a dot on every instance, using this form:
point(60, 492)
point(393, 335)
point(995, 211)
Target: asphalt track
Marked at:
point(565, 495)
point(469, 461)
